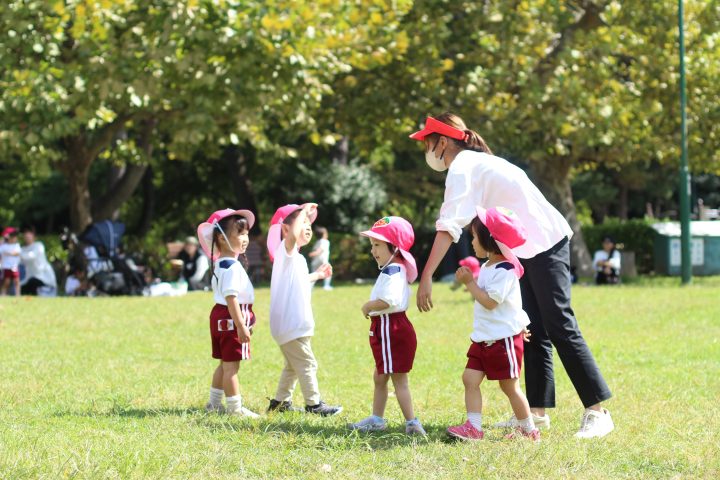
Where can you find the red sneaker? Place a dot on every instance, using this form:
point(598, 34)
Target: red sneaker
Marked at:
point(533, 435)
point(466, 431)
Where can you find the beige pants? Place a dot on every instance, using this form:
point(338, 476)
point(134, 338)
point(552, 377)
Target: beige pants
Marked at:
point(300, 364)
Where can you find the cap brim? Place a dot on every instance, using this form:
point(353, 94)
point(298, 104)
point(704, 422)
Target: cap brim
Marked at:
point(375, 235)
point(248, 215)
point(421, 134)
point(482, 214)
point(512, 258)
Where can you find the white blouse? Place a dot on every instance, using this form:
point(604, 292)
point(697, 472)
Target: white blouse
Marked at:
point(478, 179)
point(602, 256)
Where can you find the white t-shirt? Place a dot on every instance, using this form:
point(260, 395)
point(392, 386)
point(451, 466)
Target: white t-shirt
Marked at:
point(231, 280)
point(602, 256)
point(508, 318)
point(10, 253)
point(37, 265)
point(324, 245)
point(392, 288)
point(478, 179)
point(291, 314)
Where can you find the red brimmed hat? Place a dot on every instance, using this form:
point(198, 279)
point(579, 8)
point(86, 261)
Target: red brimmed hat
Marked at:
point(205, 229)
point(274, 236)
point(507, 230)
point(436, 126)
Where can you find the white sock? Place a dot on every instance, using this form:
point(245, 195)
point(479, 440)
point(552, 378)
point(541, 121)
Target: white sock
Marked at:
point(475, 420)
point(527, 425)
point(234, 403)
point(216, 396)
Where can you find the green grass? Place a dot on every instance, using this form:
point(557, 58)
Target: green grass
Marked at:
point(114, 388)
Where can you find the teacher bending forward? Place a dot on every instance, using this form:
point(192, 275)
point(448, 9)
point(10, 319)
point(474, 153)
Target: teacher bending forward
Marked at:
point(478, 178)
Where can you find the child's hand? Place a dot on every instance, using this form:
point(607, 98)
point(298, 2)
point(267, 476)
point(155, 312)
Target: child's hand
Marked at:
point(464, 275)
point(366, 309)
point(309, 209)
point(526, 335)
point(243, 334)
point(324, 271)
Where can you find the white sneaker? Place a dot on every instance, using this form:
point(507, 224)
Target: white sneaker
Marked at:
point(414, 427)
point(369, 424)
point(243, 412)
point(210, 408)
point(595, 424)
point(512, 423)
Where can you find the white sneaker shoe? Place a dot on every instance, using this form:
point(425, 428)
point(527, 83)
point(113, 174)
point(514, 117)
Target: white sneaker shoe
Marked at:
point(512, 423)
point(369, 424)
point(414, 427)
point(243, 412)
point(595, 424)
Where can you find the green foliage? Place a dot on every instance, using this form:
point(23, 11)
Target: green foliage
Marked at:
point(635, 235)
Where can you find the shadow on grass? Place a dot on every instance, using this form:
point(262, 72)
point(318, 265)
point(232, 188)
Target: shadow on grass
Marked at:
point(134, 412)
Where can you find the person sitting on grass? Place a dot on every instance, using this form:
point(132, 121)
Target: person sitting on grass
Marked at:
point(607, 263)
point(499, 328)
point(223, 237)
point(291, 318)
point(392, 336)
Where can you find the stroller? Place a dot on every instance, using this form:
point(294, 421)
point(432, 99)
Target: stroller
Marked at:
point(108, 269)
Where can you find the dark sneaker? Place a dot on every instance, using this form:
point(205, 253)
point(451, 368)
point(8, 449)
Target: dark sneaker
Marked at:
point(323, 409)
point(284, 406)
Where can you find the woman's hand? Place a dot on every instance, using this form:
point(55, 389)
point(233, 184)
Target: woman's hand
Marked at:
point(526, 335)
point(424, 295)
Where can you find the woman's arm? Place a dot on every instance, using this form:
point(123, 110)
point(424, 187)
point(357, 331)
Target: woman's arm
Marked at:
point(441, 245)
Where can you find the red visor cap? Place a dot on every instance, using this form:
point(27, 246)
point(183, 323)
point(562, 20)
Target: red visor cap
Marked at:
point(436, 126)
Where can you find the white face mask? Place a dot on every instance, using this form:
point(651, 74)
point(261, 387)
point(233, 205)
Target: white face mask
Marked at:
point(437, 164)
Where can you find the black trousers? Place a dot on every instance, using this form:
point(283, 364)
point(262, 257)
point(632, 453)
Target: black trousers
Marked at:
point(31, 287)
point(545, 289)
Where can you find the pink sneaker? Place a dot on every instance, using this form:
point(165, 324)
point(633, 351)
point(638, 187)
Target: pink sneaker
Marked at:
point(466, 431)
point(533, 435)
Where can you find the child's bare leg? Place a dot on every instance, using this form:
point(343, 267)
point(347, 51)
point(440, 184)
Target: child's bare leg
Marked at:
point(518, 401)
point(17, 287)
point(402, 392)
point(230, 379)
point(217, 378)
point(381, 393)
point(473, 398)
point(5, 285)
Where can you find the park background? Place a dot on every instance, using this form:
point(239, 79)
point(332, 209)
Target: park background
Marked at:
point(158, 112)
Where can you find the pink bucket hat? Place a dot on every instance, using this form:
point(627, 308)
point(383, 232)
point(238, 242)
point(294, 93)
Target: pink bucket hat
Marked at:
point(506, 230)
point(399, 232)
point(205, 229)
point(275, 230)
point(473, 264)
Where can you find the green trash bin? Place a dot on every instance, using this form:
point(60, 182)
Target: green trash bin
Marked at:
point(704, 248)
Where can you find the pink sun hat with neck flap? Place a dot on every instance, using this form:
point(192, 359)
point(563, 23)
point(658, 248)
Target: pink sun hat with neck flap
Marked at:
point(274, 236)
point(205, 229)
point(507, 231)
point(398, 232)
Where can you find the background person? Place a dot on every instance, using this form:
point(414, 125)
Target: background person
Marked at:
point(320, 254)
point(607, 263)
point(195, 265)
point(39, 274)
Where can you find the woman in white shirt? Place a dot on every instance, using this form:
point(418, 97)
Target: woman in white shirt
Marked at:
point(39, 274)
point(607, 263)
point(478, 178)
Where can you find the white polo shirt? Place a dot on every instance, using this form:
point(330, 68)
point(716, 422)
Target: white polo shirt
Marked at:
point(291, 315)
point(10, 253)
point(478, 179)
point(231, 280)
point(603, 256)
point(392, 288)
point(508, 318)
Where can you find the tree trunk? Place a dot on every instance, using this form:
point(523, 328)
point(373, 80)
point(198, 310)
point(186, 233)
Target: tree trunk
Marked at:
point(108, 205)
point(237, 162)
point(623, 203)
point(555, 185)
point(80, 214)
point(148, 202)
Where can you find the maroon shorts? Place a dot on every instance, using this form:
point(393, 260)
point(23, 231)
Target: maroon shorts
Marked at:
point(393, 343)
point(501, 360)
point(7, 273)
point(225, 343)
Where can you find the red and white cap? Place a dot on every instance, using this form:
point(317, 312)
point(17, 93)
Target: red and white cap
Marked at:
point(507, 231)
point(436, 126)
point(396, 231)
point(274, 236)
point(205, 229)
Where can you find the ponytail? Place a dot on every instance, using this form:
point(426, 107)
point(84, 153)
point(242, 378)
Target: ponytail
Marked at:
point(472, 141)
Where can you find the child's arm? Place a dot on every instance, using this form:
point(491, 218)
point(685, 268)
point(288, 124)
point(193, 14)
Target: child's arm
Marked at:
point(323, 272)
point(374, 306)
point(243, 332)
point(464, 275)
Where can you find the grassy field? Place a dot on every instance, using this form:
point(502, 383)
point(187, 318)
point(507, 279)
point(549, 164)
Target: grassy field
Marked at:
point(114, 388)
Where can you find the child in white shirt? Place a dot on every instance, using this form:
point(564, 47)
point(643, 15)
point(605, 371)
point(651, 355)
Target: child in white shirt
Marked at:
point(10, 258)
